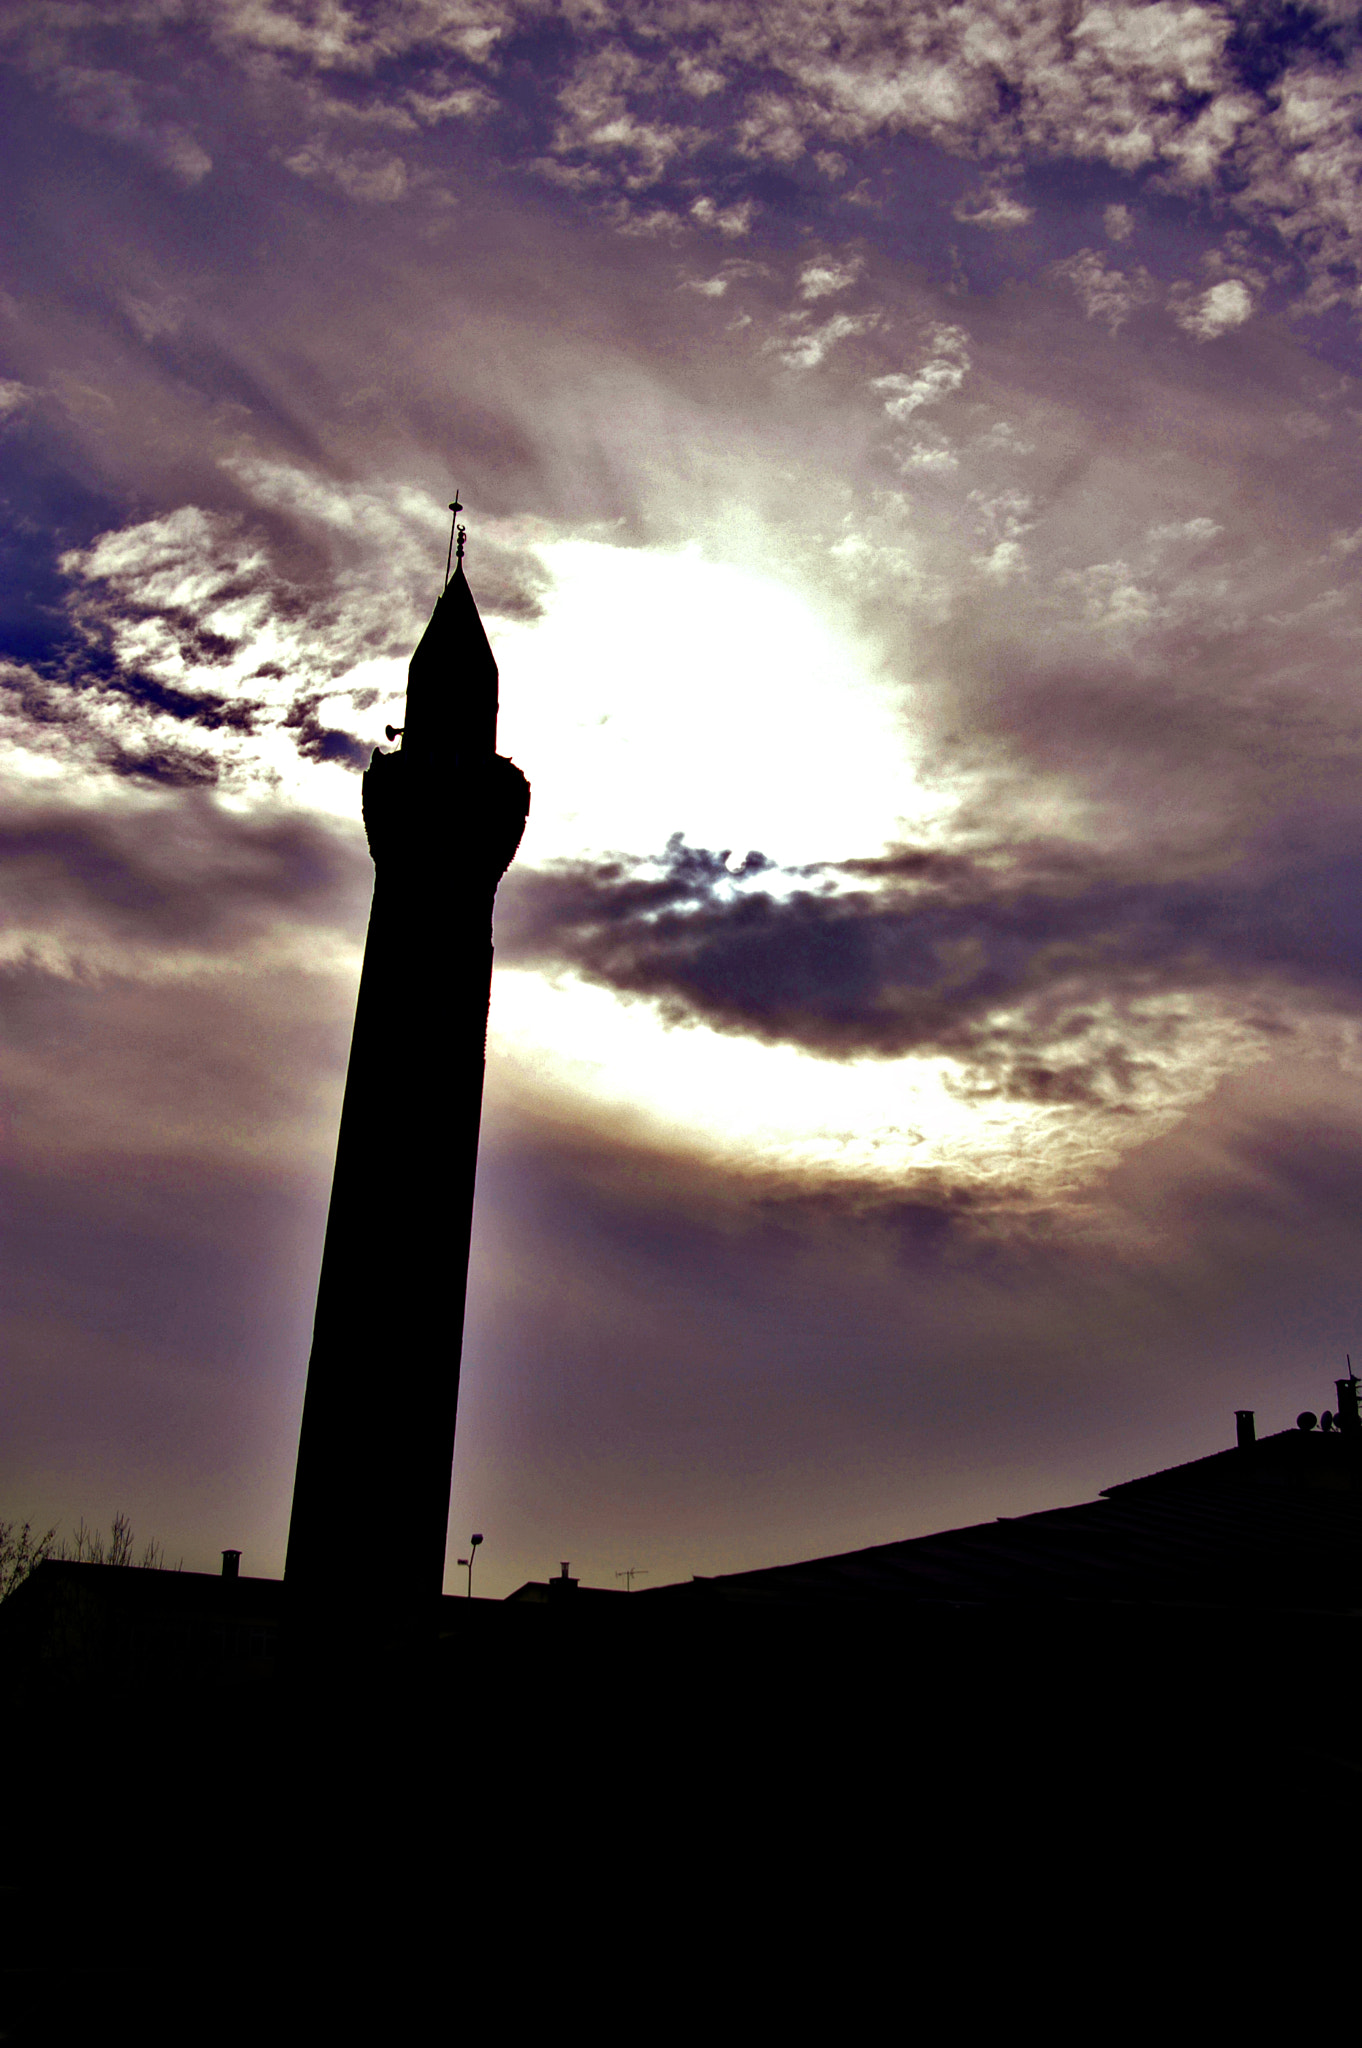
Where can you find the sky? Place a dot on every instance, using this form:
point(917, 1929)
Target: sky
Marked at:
point(911, 466)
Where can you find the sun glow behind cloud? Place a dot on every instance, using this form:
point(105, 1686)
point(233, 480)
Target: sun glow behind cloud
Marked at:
point(781, 1112)
point(662, 692)
point(771, 1108)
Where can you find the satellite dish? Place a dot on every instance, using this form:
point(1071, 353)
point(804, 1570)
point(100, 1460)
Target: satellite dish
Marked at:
point(1305, 1420)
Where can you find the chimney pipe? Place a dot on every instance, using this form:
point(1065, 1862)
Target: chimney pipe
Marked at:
point(1244, 1435)
point(231, 1564)
point(1349, 1420)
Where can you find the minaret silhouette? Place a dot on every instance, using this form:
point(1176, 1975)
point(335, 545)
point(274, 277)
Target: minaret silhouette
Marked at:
point(444, 816)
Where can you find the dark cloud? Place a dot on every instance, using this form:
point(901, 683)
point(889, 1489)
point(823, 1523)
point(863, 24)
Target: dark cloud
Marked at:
point(182, 872)
point(1267, 37)
point(1032, 963)
point(319, 742)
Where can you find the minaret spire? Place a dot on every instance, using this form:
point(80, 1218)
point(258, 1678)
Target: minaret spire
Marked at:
point(455, 509)
point(444, 814)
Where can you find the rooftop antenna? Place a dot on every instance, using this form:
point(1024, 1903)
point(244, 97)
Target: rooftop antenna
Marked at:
point(455, 532)
point(635, 1571)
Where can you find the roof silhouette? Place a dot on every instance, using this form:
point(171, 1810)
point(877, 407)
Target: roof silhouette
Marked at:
point(1277, 1523)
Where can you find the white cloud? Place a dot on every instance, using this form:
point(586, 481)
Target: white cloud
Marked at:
point(463, 103)
point(806, 351)
point(729, 220)
point(1226, 305)
point(357, 35)
point(993, 209)
point(773, 128)
point(1003, 438)
point(368, 175)
point(944, 371)
point(1003, 561)
point(933, 456)
point(826, 275)
point(1001, 521)
point(1133, 86)
point(1119, 223)
point(696, 78)
point(1197, 531)
point(1111, 599)
point(1108, 295)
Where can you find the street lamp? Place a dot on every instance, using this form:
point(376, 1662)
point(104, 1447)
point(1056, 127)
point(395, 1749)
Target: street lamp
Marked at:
point(467, 1563)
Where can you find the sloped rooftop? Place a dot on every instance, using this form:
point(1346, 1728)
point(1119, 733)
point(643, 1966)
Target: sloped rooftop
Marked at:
point(1277, 1523)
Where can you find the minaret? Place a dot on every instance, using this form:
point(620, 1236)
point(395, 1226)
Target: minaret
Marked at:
point(444, 815)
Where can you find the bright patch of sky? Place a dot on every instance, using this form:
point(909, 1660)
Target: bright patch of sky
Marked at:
point(780, 1111)
point(664, 693)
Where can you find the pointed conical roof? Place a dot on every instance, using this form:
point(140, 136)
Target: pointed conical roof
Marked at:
point(452, 682)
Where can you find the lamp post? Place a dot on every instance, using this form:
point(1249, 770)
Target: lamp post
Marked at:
point(468, 1562)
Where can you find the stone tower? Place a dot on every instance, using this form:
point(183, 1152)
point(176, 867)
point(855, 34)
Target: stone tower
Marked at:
point(444, 814)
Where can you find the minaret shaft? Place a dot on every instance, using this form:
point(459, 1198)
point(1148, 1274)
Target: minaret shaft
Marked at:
point(375, 1454)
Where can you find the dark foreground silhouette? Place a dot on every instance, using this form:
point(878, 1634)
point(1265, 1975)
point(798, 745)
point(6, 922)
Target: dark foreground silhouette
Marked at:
point(1124, 1722)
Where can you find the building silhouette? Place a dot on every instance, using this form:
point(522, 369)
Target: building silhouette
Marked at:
point(444, 814)
point(1232, 1548)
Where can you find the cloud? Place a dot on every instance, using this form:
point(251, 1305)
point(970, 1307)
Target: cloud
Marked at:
point(91, 890)
point(349, 37)
point(1048, 972)
point(731, 221)
point(228, 649)
point(1257, 111)
point(369, 175)
point(824, 276)
point(943, 372)
point(807, 351)
point(598, 120)
point(1225, 306)
point(112, 104)
point(1109, 295)
point(993, 209)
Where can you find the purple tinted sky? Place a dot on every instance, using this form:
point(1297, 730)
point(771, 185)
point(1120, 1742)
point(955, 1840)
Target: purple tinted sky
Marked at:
point(1016, 344)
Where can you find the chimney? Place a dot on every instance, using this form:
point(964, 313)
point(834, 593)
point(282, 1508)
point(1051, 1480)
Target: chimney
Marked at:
point(1244, 1435)
point(231, 1564)
point(562, 1585)
point(1349, 1420)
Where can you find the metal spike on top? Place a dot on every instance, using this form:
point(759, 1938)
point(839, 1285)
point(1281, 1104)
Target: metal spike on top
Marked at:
point(455, 531)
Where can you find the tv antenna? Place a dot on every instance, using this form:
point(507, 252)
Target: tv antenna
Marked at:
point(456, 533)
point(635, 1571)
